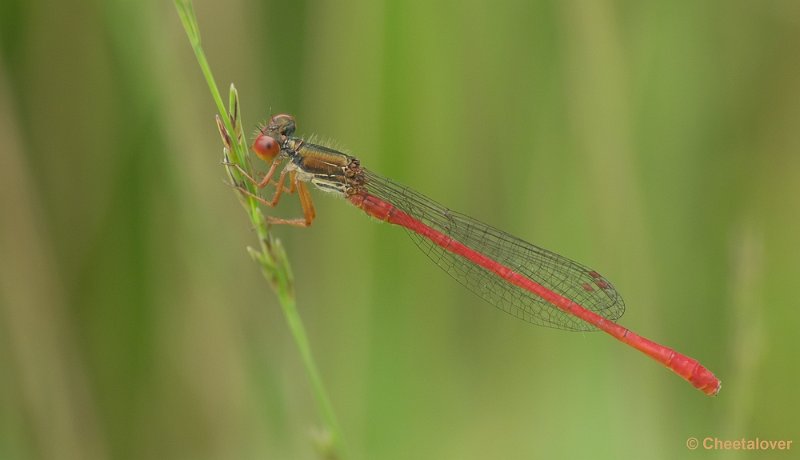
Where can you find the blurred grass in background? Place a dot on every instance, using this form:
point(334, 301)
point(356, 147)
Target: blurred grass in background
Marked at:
point(655, 142)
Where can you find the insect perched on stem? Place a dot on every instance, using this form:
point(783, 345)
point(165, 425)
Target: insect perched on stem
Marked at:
point(522, 279)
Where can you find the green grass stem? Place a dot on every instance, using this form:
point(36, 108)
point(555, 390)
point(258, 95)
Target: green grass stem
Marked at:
point(270, 254)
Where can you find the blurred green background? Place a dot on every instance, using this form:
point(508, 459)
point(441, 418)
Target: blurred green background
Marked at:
point(657, 142)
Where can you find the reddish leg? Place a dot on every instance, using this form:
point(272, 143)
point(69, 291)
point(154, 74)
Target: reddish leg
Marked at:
point(258, 183)
point(309, 213)
point(279, 188)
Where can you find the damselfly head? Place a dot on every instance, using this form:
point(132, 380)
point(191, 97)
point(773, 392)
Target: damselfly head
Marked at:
point(273, 135)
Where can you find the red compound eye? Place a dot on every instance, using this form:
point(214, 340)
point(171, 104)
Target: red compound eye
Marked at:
point(266, 147)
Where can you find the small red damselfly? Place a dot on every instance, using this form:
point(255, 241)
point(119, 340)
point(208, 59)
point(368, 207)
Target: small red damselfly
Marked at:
point(522, 279)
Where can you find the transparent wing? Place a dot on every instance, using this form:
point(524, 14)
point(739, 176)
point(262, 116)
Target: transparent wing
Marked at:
point(570, 279)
